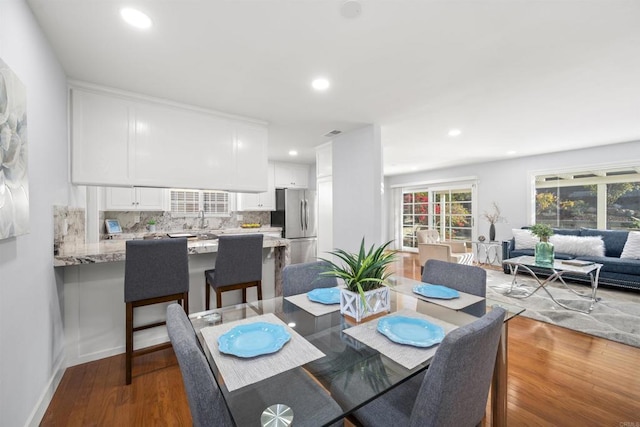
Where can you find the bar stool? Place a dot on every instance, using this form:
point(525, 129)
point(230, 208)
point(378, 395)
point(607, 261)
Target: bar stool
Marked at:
point(238, 266)
point(156, 271)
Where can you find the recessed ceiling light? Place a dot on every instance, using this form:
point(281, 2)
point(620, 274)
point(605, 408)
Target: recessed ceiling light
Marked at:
point(511, 153)
point(454, 132)
point(293, 153)
point(135, 18)
point(320, 84)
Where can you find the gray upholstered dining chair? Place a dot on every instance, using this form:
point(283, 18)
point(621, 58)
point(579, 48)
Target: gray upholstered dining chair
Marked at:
point(464, 278)
point(302, 278)
point(155, 271)
point(455, 388)
point(205, 399)
point(238, 266)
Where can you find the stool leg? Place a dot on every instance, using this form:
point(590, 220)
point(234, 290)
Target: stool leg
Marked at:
point(207, 295)
point(244, 294)
point(185, 302)
point(218, 298)
point(259, 290)
point(129, 342)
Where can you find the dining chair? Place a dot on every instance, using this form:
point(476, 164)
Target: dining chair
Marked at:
point(155, 271)
point(302, 278)
point(452, 392)
point(238, 266)
point(464, 278)
point(206, 403)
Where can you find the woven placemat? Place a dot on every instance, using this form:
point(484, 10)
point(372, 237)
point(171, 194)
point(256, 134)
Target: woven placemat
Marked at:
point(238, 372)
point(315, 308)
point(406, 355)
point(465, 299)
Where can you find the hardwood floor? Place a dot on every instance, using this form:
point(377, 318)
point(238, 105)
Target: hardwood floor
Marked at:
point(557, 377)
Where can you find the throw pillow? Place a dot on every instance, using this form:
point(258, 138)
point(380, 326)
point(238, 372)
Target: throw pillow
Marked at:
point(632, 247)
point(578, 245)
point(524, 239)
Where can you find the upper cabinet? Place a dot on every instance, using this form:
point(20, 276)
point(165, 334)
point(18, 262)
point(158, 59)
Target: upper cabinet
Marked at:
point(259, 201)
point(121, 140)
point(291, 175)
point(134, 199)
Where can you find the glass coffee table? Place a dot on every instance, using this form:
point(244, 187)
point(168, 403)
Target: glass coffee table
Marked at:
point(555, 273)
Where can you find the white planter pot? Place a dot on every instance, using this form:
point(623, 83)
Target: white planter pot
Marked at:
point(376, 301)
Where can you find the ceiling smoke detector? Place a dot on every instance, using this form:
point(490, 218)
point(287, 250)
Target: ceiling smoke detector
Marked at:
point(333, 133)
point(351, 9)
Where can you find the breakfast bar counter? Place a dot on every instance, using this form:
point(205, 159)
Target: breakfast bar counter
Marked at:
point(92, 280)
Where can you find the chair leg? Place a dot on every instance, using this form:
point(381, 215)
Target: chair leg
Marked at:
point(259, 290)
point(129, 342)
point(244, 295)
point(207, 296)
point(218, 298)
point(185, 302)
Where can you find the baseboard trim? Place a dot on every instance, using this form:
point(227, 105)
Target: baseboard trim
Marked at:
point(35, 418)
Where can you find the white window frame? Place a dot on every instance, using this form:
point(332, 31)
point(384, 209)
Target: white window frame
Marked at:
point(223, 208)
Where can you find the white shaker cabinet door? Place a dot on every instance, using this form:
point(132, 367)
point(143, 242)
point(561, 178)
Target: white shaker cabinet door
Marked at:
point(265, 201)
point(292, 175)
point(100, 139)
point(134, 199)
point(182, 148)
point(251, 157)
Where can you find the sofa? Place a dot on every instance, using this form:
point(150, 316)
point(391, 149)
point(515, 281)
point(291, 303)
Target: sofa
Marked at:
point(620, 261)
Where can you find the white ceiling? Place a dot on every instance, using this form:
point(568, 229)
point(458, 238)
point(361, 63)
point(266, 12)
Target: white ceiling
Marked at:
point(528, 76)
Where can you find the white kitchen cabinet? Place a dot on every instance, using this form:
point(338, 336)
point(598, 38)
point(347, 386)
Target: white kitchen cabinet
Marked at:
point(101, 139)
point(134, 199)
point(183, 149)
point(127, 140)
point(265, 201)
point(291, 175)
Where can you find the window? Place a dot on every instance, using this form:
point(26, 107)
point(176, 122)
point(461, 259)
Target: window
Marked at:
point(450, 211)
point(604, 199)
point(191, 202)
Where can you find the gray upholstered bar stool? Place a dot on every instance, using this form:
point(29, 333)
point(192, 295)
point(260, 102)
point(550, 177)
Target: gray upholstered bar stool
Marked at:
point(238, 266)
point(156, 271)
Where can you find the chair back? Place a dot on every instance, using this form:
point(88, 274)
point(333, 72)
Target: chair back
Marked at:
point(239, 259)
point(455, 388)
point(302, 278)
point(464, 278)
point(155, 268)
point(439, 251)
point(205, 399)
point(428, 236)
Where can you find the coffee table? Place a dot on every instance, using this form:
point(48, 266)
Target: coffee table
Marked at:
point(555, 273)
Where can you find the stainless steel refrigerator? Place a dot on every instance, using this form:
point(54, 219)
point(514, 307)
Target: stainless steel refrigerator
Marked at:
point(296, 214)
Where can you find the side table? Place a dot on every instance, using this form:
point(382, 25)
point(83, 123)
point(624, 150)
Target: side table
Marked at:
point(488, 252)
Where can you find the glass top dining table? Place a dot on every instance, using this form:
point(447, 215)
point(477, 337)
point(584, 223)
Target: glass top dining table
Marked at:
point(346, 361)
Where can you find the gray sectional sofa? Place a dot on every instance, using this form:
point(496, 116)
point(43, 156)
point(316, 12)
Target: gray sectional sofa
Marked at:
point(615, 272)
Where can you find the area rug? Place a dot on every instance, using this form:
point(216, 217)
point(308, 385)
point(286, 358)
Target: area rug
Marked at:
point(615, 317)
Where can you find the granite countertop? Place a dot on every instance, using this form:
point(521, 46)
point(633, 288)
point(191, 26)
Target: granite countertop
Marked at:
point(114, 250)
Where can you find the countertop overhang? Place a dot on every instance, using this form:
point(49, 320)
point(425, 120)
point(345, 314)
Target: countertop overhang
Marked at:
point(114, 250)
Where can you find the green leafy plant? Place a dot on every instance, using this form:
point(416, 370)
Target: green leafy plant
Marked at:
point(543, 231)
point(151, 222)
point(362, 271)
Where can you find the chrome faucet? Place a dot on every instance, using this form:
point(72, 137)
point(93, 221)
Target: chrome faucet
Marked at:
point(202, 222)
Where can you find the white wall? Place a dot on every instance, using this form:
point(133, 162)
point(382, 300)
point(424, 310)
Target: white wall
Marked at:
point(508, 182)
point(357, 188)
point(31, 336)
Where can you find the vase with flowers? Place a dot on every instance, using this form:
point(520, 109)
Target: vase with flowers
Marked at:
point(492, 218)
point(544, 250)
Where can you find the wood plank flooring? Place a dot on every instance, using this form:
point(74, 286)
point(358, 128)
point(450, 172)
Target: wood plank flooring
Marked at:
point(557, 377)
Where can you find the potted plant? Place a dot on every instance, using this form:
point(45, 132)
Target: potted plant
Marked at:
point(151, 225)
point(544, 251)
point(365, 276)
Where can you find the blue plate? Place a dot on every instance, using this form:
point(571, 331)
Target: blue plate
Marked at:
point(253, 339)
point(435, 291)
point(325, 295)
point(411, 331)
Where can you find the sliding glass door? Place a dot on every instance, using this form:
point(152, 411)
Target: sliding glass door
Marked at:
point(450, 210)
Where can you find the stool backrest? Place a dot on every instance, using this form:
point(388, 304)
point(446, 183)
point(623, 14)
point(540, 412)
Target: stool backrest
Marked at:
point(155, 268)
point(239, 259)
